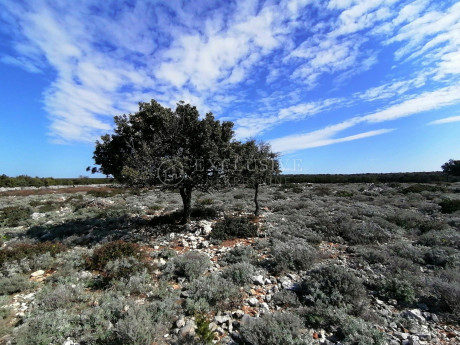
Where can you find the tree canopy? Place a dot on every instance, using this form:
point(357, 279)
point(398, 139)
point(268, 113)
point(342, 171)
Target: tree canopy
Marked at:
point(173, 149)
point(452, 168)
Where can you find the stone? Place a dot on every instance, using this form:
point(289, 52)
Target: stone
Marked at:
point(180, 323)
point(188, 329)
point(69, 341)
point(220, 319)
point(253, 301)
point(205, 226)
point(37, 273)
point(258, 280)
point(414, 314)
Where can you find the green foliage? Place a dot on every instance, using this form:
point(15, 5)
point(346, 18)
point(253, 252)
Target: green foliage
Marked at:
point(14, 284)
point(204, 212)
point(295, 254)
point(212, 293)
point(273, 329)
point(356, 331)
point(27, 181)
point(398, 288)
point(286, 299)
point(112, 251)
point(419, 188)
point(240, 273)
point(203, 331)
point(189, 265)
point(334, 286)
point(452, 167)
point(60, 296)
point(239, 254)
point(233, 227)
point(449, 206)
point(14, 215)
point(344, 194)
point(20, 251)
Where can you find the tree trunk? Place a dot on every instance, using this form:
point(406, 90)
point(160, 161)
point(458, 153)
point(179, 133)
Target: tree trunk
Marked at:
point(256, 200)
point(186, 194)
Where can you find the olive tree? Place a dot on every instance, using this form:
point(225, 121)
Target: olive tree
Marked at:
point(257, 164)
point(451, 168)
point(172, 149)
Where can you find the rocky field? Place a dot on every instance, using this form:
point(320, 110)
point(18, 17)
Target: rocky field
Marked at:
point(323, 264)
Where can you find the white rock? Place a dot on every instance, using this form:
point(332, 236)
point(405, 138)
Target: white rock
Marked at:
point(253, 301)
point(259, 280)
point(37, 273)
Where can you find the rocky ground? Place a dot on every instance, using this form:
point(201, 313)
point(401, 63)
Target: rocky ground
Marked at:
point(354, 264)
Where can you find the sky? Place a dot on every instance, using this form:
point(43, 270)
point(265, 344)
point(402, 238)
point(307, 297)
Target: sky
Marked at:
point(338, 86)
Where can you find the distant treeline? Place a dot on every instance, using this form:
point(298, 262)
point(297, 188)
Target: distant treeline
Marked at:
point(417, 177)
point(28, 181)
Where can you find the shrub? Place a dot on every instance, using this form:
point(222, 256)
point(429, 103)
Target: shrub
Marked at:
point(189, 265)
point(398, 288)
point(356, 331)
point(239, 254)
point(21, 251)
point(122, 268)
point(203, 331)
point(240, 274)
point(140, 325)
point(443, 257)
point(344, 194)
point(419, 188)
point(334, 286)
point(137, 283)
point(211, 293)
point(205, 201)
point(14, 215)
point(285, 299)
point(112, 251)
point(204, 212)
point(292, 255)
point(273, 329)
point(233, 227)
point(365, 233)
point(61, 296)
point(239, 196)
point(446, 290)
point(449, 206)
point(16, 283)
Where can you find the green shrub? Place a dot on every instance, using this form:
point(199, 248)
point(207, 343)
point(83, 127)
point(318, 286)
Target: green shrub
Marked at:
point(240, 273)
point(449, 206)
point(294, 254)
point(445, 289)
point(419, 188)
point(123, 268)
point(189, 265)
point(60, 296)
point(365, 233)
point(239, 254)
point(205, 201)
point(203, 331)
point(356, 331)
point(334, 286)
point(204, 212)
point(273, 329)
point(16, 283)
point(239, 196)
point(442, 256)
point(286, 299)
point(21, 251)
point(14, 215)
point(233, 227)
point(344, 194)
point(212, 293)
point(398, 288)
point(112, 251)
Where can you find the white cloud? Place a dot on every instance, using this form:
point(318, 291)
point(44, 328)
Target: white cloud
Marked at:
point(424, 102)
point(445, 120)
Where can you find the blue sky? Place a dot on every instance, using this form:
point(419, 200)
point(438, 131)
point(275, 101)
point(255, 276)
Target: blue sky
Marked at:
point(338, 86)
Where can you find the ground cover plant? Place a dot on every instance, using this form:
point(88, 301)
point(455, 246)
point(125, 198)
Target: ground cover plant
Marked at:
point(362, 263)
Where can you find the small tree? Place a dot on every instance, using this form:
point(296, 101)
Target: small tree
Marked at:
point(451, 168)
point(172, 149)
point(257, 165)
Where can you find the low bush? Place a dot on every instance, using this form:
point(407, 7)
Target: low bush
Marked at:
point(445, 289)
point(334, 286)
point(449, 206)
point(398, 288)
point(442, 256)
point(239, 254)
point(189, 265)
point(212, 293)
point(61, 296)
point(204, 212)
point(14, 284)
point(419, 188)
point(356, 331)
point(123, 268)
point(273, 329)
point(112, 251)
point(14, 215)
point(240, 273)
point(204, 201)
point(365, 233)
point(233, 227)
point(294, 254)
point(286, 299)
point(21, 251)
